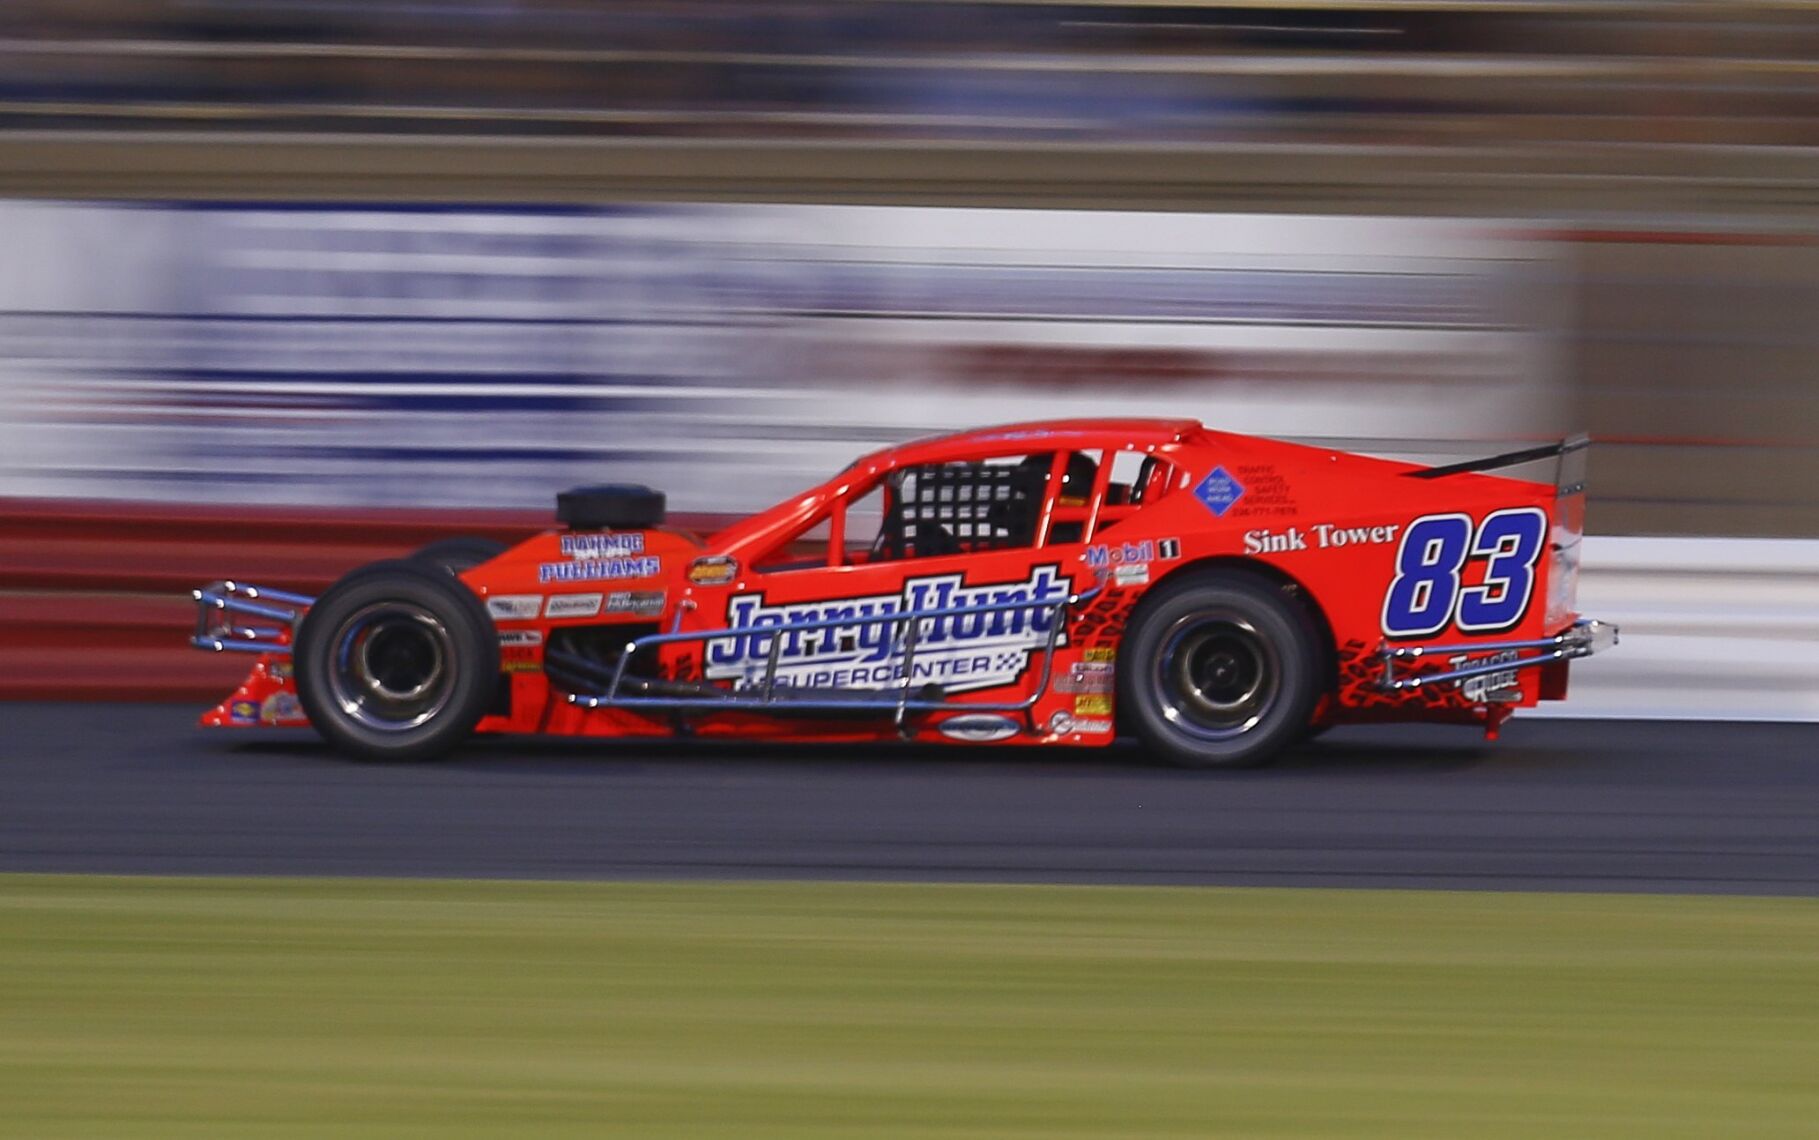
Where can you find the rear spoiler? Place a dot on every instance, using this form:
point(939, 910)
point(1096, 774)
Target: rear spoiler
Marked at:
point(1569, 476)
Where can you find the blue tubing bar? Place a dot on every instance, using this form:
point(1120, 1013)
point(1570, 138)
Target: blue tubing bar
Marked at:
point(222, 645)
point(257, 592)
point(241, 605)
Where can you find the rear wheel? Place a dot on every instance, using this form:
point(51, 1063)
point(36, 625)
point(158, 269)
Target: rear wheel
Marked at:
point(460, 554)
point(396, 661)
point(1220, 669)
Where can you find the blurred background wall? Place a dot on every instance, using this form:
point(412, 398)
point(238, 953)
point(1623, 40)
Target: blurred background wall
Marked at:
point(363, 356)
point(345, 255)
point(1647, 169)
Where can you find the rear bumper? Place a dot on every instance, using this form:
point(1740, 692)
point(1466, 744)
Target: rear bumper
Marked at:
point(1400, 662)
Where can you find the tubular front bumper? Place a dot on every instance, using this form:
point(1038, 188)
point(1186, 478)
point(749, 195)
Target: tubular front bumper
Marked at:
point(218, 604)
point(1582, 639)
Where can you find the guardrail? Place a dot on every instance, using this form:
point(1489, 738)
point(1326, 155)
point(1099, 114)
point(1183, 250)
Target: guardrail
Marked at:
point(1713, 629)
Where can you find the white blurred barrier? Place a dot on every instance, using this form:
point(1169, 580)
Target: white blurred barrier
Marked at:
point(341, 356)
point(1712, 628)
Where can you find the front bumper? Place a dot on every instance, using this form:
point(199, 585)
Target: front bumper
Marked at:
point(218, 602)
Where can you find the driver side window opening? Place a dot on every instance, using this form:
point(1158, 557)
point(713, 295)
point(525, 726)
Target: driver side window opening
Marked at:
point(864, 520)
point(963, 508)
point(970, 506)
point(927, 511)
point(1136, 479)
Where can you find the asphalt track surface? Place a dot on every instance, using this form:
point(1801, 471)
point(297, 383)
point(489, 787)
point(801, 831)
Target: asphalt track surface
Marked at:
point(1556, 805)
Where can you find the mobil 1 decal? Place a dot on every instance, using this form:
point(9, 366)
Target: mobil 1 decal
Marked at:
point(1429, 593)
point(851, 647)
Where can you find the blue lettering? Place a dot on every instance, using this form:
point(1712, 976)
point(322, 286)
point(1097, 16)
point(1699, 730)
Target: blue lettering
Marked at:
point(865, 630)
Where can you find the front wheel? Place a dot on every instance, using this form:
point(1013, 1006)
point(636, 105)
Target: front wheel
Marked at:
point(396, 661)
point(1220, 669)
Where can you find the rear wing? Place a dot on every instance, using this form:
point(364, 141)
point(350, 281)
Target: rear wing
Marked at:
point(1569, 473)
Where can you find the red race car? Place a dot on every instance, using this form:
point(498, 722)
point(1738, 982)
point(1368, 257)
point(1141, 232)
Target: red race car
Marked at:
point(1219, 596)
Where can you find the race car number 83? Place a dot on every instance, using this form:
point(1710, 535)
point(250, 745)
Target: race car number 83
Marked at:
point(1428, 593)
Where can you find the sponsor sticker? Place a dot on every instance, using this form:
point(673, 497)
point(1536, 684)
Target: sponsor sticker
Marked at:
point(1094, 705)
point(281, 670)
point(243, 712)
point(520, 650)
point(644, 603)
point(573, 605)
point(514, 607)
point(603, 545)
point(961, 652)
point(1061, 723)
point(280, 708)
point(1267, 493)
point(1502, 687)
point(978, 728)
point(1101, 556)
point(1131, 574)
point(1318, 536)
point(1218, 491)
point(1093, 726)
point(1102, 653)
point(714, 570)
point(1086, 677)
point(600, 569)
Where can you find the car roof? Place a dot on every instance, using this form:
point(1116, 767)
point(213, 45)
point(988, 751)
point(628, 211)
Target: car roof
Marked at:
point(1041, 435)
point(1033, 436)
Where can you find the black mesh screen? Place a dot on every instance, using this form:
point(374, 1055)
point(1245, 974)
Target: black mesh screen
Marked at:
point(957, 508)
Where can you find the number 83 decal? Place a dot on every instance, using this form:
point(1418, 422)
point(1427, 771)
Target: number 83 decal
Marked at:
point(1428, 593)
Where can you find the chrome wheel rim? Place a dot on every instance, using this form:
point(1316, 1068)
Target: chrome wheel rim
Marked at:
point(393, 667)
point(1216, 675)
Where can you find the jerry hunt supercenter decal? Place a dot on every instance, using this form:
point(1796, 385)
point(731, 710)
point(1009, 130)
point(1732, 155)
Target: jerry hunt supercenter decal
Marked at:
point(960, 652)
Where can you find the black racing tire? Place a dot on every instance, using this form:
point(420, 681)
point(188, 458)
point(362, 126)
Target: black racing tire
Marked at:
point(460, 554)
point(1220, 668)
point(397, 661)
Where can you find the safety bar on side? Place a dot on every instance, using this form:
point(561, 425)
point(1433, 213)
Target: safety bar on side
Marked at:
point(215, 601)
point(900, 701)
point(1584, 638)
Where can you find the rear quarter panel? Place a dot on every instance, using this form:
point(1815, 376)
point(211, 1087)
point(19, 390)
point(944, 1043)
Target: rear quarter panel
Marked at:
point(1374, 550)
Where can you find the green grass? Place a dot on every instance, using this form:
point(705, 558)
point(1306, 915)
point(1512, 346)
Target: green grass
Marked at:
point(266, 1008)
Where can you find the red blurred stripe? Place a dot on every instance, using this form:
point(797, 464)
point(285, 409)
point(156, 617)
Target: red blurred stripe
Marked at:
point(94, 596)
